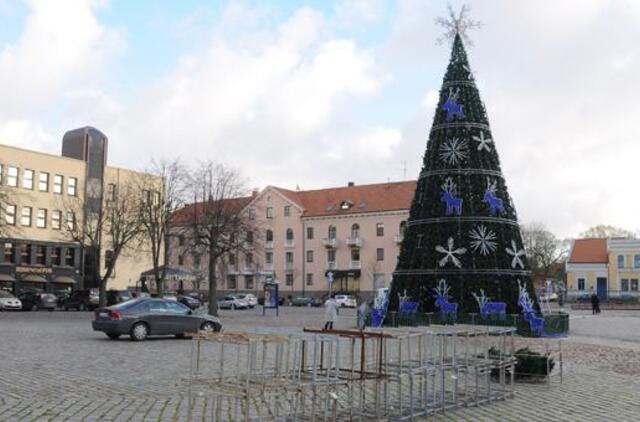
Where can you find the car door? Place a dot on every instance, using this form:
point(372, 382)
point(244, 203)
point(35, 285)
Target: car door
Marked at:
point(158, 317)
point(178, 318)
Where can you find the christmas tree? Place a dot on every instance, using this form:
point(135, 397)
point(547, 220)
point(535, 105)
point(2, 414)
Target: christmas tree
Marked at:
point(463, 226)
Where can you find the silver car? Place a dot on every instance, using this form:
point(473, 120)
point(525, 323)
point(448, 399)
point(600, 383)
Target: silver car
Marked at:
point(9, 302)
point(251, 300)
point(232, 302)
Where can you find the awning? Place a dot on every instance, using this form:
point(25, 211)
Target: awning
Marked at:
point(63, 279)
point(32, 278)
point(6, 277)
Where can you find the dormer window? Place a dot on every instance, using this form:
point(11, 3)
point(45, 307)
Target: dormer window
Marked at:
point(346, 204)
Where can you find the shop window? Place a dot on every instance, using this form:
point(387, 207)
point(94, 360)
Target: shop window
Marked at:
point(27, 179)
point(9, 253)
point(56, 256)
point(43, 182)
point(41, 255)
point(25, 254)
point(68, 257)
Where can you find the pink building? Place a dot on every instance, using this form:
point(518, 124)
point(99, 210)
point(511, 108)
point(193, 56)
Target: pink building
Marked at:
point(353, 232)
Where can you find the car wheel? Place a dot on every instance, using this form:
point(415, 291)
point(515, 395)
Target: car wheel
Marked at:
point(209, 327)
point(139, 331)
point(113, 336)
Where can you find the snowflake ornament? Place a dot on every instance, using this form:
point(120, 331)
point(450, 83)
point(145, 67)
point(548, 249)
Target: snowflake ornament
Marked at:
point(516, 254)
point(483, 240)
point(469, 72)
point(453, 151)
point(451, 106)
point(450, 254)
point(483, 143)
point(457, 25)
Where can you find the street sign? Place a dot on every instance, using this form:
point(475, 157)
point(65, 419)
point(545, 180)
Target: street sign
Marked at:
point(258, 274)
point(330, 277)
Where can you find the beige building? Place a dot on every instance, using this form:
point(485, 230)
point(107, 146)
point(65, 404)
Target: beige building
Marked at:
point(353, 232)
point(36, 249)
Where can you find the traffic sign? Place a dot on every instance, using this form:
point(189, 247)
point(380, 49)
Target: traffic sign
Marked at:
point(330, 277)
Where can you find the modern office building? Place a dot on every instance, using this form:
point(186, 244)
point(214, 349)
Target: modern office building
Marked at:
point(353, 232)
point(36, 250)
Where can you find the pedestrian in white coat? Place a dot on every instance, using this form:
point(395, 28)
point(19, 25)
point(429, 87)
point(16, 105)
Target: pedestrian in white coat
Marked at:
point(330, 313)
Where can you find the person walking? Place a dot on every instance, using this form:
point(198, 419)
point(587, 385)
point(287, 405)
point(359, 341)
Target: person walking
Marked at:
point(330, 313)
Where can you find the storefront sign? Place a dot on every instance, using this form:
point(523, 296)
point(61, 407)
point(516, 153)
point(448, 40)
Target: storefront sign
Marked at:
point(34, 270)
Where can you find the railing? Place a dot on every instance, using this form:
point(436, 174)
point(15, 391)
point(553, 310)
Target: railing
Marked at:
point(355, 242)
point(288, 243)
point(332, 265)
point(398, 238)
point(330, 242)
point(249, 268)
point(268, 245)
point(355, 265)
point(268, 266)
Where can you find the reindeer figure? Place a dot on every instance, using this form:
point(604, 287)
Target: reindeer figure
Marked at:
point(536, 324)
point(451, 106)
point(488, 309)
point(454, 204)
point(496, 205)
point(442, 301)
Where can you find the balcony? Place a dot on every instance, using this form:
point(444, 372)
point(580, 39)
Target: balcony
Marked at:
point(330, 242)
point(354, 242)
point(249, 269)
point(355, 265)
point(268, 245)
point(332, 265)
point(289, 243)
point(289, 266)
point(268, 267)
point(398, 238)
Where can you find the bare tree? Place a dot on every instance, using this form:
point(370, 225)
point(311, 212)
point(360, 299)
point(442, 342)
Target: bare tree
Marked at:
point(606, 231)
point(163, 187)
point(544, 250)
point(113, 228)
point(5, 200)
point(218, 220)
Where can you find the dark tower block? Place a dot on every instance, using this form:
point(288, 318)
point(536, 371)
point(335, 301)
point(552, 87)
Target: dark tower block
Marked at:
point(463, 226)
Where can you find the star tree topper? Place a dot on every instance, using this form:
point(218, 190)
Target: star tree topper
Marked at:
point(459, 24)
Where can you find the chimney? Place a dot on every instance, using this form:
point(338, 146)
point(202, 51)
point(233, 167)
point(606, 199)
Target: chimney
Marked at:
point(254, 192)
point(351, 184)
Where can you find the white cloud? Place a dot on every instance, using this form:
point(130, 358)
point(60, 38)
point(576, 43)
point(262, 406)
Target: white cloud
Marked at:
point(23, 133)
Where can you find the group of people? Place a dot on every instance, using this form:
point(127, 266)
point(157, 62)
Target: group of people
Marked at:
point(331, 313)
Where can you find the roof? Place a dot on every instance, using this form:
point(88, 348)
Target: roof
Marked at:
point(589, 251)
point(380, 197)
point(171, 274)
point(184, 216)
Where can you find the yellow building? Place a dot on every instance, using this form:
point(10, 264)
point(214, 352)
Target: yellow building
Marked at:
point(36, 250)
point(610, 267)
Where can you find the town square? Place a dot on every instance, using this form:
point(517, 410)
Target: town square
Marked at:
point(299, 210)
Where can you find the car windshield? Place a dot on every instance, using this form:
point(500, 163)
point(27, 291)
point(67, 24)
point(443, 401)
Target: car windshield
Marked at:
point(5, 295)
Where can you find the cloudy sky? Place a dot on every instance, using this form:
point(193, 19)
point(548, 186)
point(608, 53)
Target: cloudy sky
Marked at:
point(315, 94)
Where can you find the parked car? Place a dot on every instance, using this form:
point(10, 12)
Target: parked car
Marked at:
point(190, 302)
point(252, 301)
point(34, 301)
point(346, 301)
point(232, 302)
point(82, 300)
point(118, 296)
point(170, 296)
point(140, 318)
point(305, 301)
point(9, 302)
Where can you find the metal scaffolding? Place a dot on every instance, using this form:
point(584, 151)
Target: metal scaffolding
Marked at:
point(392, 374)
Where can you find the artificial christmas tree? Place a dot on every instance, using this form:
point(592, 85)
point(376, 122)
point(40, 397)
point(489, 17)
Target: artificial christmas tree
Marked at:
point(463, 226)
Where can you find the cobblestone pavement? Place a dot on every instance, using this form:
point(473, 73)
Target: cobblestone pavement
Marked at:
point(53, 367)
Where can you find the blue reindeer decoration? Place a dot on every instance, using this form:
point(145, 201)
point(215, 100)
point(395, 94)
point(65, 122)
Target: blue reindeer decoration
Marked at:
point(536, 324)
point(447, 310)
point(454, 204)
point(451, 106)
point(490, 309)
point(496, 206)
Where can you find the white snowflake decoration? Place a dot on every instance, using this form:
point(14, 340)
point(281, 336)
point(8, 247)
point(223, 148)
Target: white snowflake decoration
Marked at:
point(483, 143)
point(483, 240)
point(453, 151)
point(450, 254)
point(459, 24)
point(516, 254)
point(469, 72)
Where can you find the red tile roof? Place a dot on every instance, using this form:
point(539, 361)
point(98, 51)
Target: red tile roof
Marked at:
point(589, 251)
point(185, 215)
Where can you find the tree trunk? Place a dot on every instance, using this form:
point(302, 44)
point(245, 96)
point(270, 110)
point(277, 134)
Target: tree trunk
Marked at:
point(213, 284)
point(103, 293)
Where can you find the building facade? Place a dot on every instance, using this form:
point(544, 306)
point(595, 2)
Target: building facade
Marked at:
point(353, 232)
point(36, 250)
point(610, 267)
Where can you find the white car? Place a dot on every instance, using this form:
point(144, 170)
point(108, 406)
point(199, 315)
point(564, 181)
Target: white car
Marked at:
point(251, 300)
point(232, 302)
point(9, 302)
point(346, 301)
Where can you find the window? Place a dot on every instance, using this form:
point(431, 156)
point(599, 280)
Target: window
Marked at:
point(269, 258)
point(41, 255)
point(309, 279)
point(309, 233)
point(289, 235)
point(269, 212)
point(111, 192)
point(27, 179)
point(155, 198)
point(71, 220)
point(25, 254)
point(9, 254)
point(177, 308)
point(634, 284)
point(287, 210)
point(146, 196)
point(58, 181)
point(355, 255)
point(378, 281)
point(12, 177)
point(355, 231)
point(249, 237)
point(252, 213)
point(248, 259)
point(636, 261)
point(269, 236)
point(56, 217)
point(331, 255)
point(231, 282)
point(248, 282)
point(624, 284)
point(43, 182)
point(72, 185)
point(56, 256)
point(309, 256)
point(180, 260)
point(581, 284)
point(10, 215)
point(108, 259)
point(419, 240)
point(181, 240)
point(25, 220)
point(332, 232)
point(289, 279)
point(232, 259)
point(69, 257)
point(620, 261)
point(380, 229)
point(41, 219)
point(289, 257)
point(380, 254)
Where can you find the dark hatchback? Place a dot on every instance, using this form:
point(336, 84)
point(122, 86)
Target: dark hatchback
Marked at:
point(34, 301)
point(190, 302)
point(81, 300)
point(140, 318)
point(306, 301)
